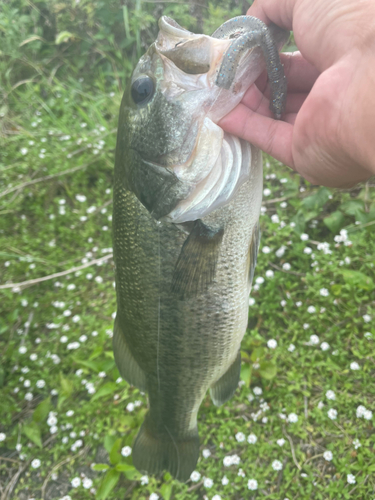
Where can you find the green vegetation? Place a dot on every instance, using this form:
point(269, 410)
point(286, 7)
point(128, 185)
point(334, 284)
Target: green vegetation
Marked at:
point(301, 424)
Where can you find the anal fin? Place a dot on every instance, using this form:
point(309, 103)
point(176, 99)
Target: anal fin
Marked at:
point(196, 265)
point(226, 386)
point(126, 364)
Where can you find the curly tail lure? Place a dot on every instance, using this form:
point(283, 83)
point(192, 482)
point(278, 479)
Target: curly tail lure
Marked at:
point(251, 32)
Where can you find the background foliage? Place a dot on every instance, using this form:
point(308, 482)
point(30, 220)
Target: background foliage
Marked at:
point(301, 424)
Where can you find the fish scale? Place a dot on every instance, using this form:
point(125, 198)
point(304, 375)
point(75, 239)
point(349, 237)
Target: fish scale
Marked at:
point(182, 288)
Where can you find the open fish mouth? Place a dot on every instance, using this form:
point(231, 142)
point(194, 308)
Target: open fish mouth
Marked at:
point(220, 69)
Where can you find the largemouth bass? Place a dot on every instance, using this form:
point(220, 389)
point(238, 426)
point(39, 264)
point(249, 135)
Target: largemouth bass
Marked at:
point(187, 199)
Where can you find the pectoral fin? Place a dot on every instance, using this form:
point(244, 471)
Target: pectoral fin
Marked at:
point(196, 265)
point(126, 364)
point(225, 387)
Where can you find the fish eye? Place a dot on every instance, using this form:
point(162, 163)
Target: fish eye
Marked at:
point(142, 90)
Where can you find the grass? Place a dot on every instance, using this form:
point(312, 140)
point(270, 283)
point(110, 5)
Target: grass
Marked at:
point(67, 421)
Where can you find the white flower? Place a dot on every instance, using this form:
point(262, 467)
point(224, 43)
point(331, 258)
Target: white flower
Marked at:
point(257, 391)
point(75, 482)
point(2, 436)
point(65, 439)
point(280, 252)
point(360, 411)
point(291, 348)
point(314, 339)
point(53, 429)
point(307, 250)
point(81, 198)
point(367, 415)
point(327, 455)
point(227, 461)
point(33, 357)
point(126, 451)
point(304, 237)
point(252, 439)
point(36, 463)
point(259, 280)
point(311, 309)
point(83, 338)
point(130, 407)
point(269, 273)
point(154, 496)
point(241, 473)
point(206, 453)
point(251, 301)
point(275, 219)
point(99, 279)
point(324, 292)
point(29, 396)
point(350, 478)
point(76, 318)
point(356, 443)
point(332, 414)
point(224, 481)
point(24, 151)
point(216, 497)
point(69, 413)
point(22, 349)
point(144, 480)
point(40, 384)
point(287, 266)
point(27, 383)
point(266, 192)
point(281, 442)
point(208, 483)
point(277, 465)
point(324, 346)
point(235, 459)
point(195, 476)
point(272, 343)
point(266, 249)
point(240, 437)
point(366, 318)
point(368, 335)
point(354, 366)
point(292, 418)
point(330, 394)
point(73, 345)
point(299, 303)
point(87, 483)
point(71, 286)
point(252, 484)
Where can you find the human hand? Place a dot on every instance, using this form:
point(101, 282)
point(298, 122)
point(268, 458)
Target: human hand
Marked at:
point(327, 133)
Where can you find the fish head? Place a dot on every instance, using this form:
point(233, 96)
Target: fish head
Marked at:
point(180, 159)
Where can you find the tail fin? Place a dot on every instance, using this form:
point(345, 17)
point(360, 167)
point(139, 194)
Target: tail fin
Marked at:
point(153, 453)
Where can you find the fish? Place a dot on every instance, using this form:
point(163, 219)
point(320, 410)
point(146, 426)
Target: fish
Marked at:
point(186, 205)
